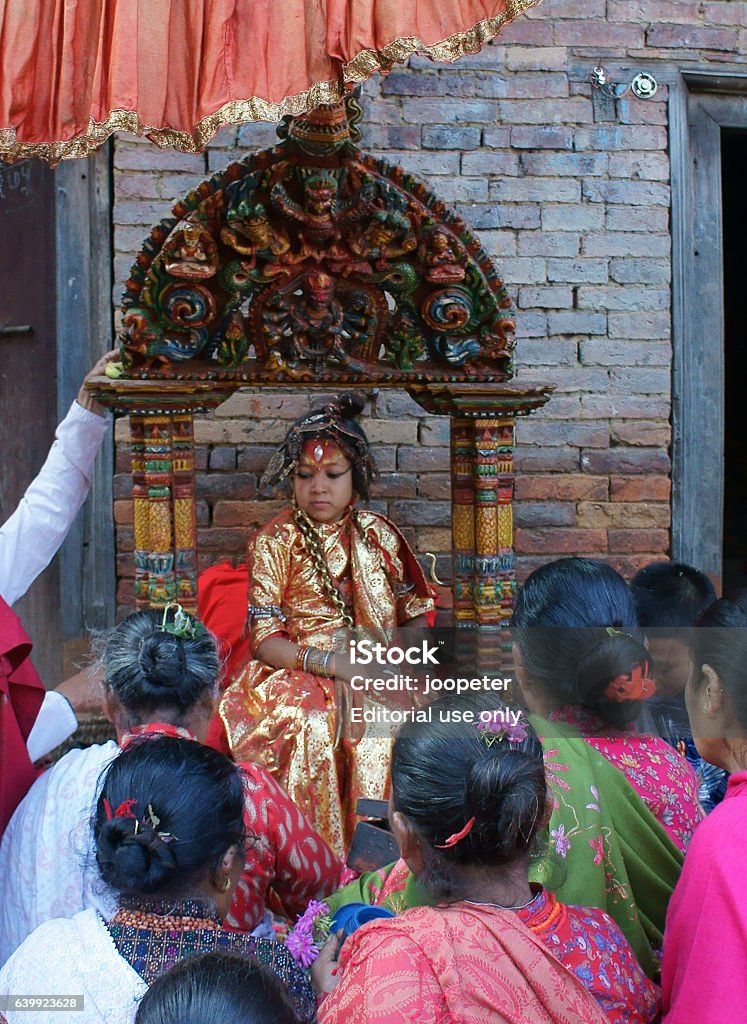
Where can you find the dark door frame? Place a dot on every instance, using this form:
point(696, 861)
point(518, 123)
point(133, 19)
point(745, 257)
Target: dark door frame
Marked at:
point(701, 104)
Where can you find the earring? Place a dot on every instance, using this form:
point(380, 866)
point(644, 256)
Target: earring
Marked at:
point(706, 708)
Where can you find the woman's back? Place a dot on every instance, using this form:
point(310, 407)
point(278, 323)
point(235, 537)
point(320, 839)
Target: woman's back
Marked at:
point(455, 964)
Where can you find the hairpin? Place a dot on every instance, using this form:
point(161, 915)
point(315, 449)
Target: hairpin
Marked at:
point(453, 840)
point(149, 819)
point(183, 625)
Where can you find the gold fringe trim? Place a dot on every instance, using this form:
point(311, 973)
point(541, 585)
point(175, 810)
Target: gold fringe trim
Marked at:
point(448, 50)
point(359, 69)
point(233, 112)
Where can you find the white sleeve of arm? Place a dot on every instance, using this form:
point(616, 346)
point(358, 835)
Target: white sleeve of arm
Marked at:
point(30, 539)
point(54, 723)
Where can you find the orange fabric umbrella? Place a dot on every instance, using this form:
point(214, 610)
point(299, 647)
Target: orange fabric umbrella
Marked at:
point(74, 71)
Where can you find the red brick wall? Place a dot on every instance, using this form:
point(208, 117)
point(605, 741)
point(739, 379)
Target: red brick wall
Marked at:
point(576, 213)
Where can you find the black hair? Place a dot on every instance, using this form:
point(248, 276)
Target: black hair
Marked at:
point(180, 808)
point(148, 668)
point(216, 988)
point(670, 594)
point(723, 646)
point(575, 626)
point(445, 772)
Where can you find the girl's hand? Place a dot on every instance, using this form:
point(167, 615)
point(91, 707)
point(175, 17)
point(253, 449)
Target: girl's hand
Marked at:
point(324, 970)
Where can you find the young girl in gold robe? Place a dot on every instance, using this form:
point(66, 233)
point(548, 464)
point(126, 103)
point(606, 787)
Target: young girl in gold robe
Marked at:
point(321, 573)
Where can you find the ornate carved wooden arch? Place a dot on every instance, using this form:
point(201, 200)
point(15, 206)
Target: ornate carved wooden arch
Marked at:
point(315, 264)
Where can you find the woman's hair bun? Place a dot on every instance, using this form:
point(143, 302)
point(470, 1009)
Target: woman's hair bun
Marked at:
point(351, 404)
point(161, 660)
point(505, 791)
point(615, 653)
point(132, 861)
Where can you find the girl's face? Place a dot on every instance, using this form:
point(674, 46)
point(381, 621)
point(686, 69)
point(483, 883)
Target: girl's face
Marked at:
point(323, 481)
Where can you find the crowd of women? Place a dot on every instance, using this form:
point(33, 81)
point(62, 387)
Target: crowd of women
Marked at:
point(556, 864)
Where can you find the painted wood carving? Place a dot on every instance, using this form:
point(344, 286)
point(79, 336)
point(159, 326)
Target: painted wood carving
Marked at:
point(314, 262)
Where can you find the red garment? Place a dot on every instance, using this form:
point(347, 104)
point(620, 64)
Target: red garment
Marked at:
point(661, 777)
point(462, 964)
point(21, 696)
point(288, 859)
point(221, 606)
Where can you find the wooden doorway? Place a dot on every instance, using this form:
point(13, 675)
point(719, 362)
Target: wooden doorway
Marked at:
point(55, 319)
point(28, 372)
point(734, 199)
point(708, 113)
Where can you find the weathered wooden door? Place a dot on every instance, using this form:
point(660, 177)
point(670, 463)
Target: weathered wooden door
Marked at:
point(28, 379)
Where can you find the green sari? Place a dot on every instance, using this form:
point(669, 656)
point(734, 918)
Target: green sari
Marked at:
point(603, 848)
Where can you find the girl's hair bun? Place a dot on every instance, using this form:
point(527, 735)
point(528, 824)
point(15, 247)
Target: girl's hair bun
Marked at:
point(351, 404)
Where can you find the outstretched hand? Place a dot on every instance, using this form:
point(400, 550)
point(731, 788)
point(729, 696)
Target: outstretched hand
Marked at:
point(83, 690)
point(85, 398)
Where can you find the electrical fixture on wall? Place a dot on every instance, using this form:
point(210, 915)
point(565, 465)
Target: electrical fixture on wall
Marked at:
point(604, 91)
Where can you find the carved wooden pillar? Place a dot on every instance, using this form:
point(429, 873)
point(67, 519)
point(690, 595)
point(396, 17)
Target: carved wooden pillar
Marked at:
point(164, 509)
point(185, 516)
point(163, 481)
point(483, 416)
point(463, 518)
point(493, 521)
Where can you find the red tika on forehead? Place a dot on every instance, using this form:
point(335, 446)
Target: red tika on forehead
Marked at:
point(321, 451)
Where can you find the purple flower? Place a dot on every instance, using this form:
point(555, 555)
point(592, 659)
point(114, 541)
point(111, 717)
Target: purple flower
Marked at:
point(517, 733)
point(300, 945)
point(314, 909)
point(300, 941)
point(495, 729)
point(562, 842)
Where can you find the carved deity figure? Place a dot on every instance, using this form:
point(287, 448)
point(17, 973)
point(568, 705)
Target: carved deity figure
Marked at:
point(305, 330)
point(190, 252)
point(249, 232)
point(441, 257)
point(389, 234)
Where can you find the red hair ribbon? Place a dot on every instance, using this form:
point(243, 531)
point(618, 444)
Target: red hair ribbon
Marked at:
point(123, 811)
point(635, 686)
point(453, 840)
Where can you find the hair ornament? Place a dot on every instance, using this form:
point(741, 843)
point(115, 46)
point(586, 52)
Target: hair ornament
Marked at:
point(637, 685)
point(149, 819)
point(182, 626)
point(124, 810)
point(495, 729)
point(457, 837)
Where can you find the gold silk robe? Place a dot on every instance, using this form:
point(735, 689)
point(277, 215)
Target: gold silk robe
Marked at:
point(287, 720)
